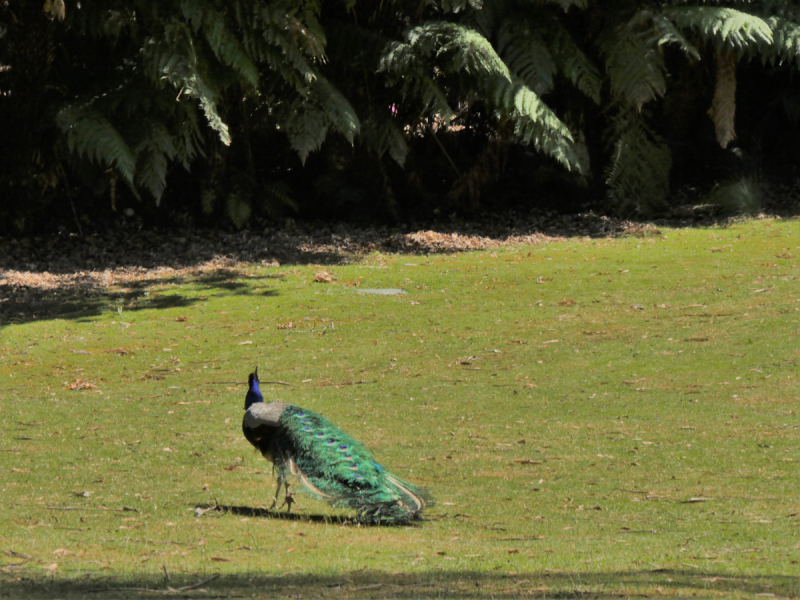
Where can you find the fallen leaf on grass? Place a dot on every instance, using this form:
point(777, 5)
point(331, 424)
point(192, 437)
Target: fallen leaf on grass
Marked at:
point(245, 342)
point(766, 289)
point(119, 351)
point(323, 277)
point(527, 461)
point(80, 384)
point(220, 559)
point(51, 567)
point(698, 499)
point(16, 470)
point(373, 586)
point(288, 325)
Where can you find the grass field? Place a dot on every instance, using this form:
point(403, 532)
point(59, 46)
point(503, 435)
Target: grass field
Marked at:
point(595, 417)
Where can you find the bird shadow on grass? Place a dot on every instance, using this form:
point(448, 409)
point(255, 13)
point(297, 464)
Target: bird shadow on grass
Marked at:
point(283, 515)
point(387, 580)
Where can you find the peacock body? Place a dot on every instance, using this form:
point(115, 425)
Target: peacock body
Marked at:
point(330, 464)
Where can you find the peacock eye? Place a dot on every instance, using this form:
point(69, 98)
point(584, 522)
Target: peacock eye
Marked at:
point(359, 477)
point(306, 428)
point(343, 447)
point(320, 435)
point(331, 442)
point(354, 468)
point(300, 415)
point(348, 457)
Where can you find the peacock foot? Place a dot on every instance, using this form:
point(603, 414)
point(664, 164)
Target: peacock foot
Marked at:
point(288, 500)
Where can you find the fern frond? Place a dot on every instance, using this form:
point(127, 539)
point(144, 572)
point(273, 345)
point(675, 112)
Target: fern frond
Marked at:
point(725, 27)
point(189, 137)
point(486, 20)
point(667, 33)
point(306, 128)
point(91, 135)
point(340, 112)
point(534, 122)
point(635, 70)
point(638, 174)
point(465, 48)
point(173, 59)
point(527, 55)
point(381, 134)
point(228, 49)
point(457, 6)
point(567, 4)
point(785, 45)
point(152, 159)
point(574, 64)
point(279, 191)
point(404, 66)
point(273, 35)
point(239, 209)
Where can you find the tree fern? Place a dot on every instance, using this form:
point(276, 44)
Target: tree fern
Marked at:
point(406, 69)
point(725, 27)
point(723, 106)
point(464, 50)
point(173, 58)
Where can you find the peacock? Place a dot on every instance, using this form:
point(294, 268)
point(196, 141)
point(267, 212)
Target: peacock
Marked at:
point(330, 464)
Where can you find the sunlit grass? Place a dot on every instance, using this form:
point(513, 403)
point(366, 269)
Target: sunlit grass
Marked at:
point(601, 417)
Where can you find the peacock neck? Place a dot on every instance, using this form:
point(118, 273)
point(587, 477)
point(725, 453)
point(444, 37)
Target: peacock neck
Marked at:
point(253, 396)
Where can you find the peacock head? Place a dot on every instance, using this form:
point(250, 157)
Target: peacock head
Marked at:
point(253, 393)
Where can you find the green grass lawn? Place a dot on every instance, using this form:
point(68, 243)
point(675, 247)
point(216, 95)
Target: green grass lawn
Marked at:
point(595, 417)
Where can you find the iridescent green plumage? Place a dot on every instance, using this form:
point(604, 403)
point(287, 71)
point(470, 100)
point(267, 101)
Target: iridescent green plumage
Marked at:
point(331, 465)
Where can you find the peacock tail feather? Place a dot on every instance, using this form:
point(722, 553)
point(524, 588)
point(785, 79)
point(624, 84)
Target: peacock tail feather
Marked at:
point(335, 467)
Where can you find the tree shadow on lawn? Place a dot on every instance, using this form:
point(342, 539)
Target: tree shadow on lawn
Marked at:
point(379, 583)
point(83, 300)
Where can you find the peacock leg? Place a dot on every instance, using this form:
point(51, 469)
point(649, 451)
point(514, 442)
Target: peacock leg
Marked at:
point(281, 481)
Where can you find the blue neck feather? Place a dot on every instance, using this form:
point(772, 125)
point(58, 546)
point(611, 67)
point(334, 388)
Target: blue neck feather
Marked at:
point(253, 394)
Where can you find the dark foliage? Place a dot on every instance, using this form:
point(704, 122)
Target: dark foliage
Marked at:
point(208, 112)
